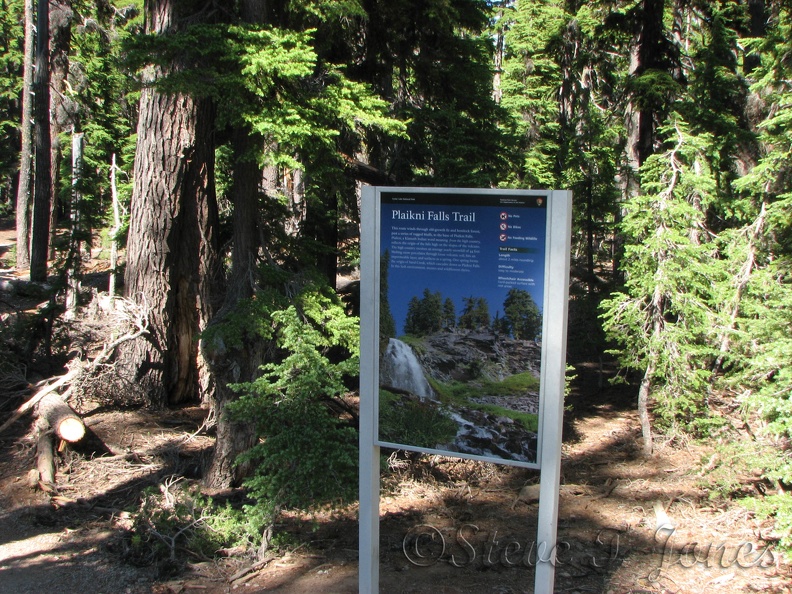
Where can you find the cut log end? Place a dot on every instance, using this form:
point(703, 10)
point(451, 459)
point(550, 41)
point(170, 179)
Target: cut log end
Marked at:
point(71, 429)
point(66, 423)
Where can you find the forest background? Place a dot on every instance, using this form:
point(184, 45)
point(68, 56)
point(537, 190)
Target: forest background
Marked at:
point(236, 137)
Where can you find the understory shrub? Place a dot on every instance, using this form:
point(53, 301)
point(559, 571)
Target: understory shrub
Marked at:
point(307, 452)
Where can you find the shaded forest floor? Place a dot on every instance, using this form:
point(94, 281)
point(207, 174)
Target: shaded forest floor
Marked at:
point(612, 501)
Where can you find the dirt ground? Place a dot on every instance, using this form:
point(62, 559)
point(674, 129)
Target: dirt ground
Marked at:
point(626, 524)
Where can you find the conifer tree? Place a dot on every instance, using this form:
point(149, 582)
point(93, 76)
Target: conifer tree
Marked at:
point(449, 314)
point(663, 320)
point(522, 315)
point(475, 314)
point(23, 201)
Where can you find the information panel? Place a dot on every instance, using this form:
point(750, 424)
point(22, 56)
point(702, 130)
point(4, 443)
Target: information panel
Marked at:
point(461, 302)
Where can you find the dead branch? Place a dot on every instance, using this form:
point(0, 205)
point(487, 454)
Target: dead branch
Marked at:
point(27, 406)
point(258, 565)
point(134, 315)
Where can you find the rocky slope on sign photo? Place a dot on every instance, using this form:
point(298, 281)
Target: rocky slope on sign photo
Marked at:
point(466, 355)
point(485, 383)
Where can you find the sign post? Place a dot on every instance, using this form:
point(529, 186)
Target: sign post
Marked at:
point(425, 254)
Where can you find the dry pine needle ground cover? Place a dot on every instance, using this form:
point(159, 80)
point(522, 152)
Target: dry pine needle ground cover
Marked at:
point(612, 501)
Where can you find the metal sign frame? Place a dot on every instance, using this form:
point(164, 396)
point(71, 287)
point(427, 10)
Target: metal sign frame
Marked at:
point(552, 375)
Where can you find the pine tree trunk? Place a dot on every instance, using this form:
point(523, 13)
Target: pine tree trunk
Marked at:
point(26, 157)
point(171, 252)
point(241, 362)
point(643, 410)
point(39, 241)
point(62, 109)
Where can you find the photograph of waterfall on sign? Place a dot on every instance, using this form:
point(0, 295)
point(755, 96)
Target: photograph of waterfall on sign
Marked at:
point(461, 299)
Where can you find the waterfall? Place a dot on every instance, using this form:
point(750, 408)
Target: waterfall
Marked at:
point(400, 369)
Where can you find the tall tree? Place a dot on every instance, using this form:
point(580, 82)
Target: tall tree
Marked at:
point(663, 319)
point(240, 359)
point(171, 250)
point(39, 241)
point(433, 61)
point(11, 83)
point(522, 315)
point(23, 201)
point(475, 314)
point(63, 116)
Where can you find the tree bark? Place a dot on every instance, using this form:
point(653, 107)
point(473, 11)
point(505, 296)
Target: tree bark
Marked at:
point(240, 363)
point(62, 108)
point(66, 423)
point(39, 241)
point(45, 458)
point(171, 252)
point(643, 410)
point(26, 157)
point(74, 259)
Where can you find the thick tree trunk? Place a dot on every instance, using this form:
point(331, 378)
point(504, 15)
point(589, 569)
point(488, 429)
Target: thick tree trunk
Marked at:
point(239, 363)
point(62, 108)
point(26, 158)
point(171, 251)
point(39, 241)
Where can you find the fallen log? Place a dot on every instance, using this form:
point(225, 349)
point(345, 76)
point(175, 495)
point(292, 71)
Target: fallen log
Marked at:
point(64, 379)
point(66, 423)
point(136, 316)
point(45, 458)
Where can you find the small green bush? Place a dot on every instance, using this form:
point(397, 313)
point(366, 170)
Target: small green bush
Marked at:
point(175, 522)
point(306, 456)
point(778, 507)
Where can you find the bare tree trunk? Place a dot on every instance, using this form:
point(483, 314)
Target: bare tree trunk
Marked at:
point(111, 290)
point(42, 196)
point(62, 108)
point(74, 261)
point(171, 250)
point(26, 156)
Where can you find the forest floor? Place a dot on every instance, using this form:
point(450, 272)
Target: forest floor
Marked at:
point(612, 501)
